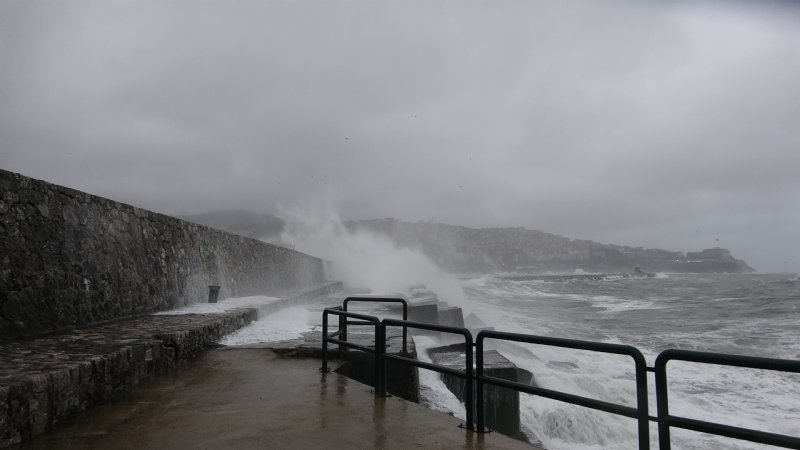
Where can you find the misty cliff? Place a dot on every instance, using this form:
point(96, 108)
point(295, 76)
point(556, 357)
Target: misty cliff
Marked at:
point(460, 248)
point(463, 249)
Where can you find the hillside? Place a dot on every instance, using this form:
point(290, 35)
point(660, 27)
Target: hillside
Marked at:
point(462, 249)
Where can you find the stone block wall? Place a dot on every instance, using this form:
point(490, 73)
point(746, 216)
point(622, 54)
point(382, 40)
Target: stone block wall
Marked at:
point(47, 380)
point(68, 258)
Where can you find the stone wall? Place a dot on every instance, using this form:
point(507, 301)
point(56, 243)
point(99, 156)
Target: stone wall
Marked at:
point(68, 258)
point(47, 380)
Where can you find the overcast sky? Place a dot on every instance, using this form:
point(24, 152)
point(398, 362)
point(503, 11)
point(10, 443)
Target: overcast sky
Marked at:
point(663, 124)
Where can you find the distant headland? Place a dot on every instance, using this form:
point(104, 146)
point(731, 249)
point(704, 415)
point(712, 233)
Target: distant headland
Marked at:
point(463, 249)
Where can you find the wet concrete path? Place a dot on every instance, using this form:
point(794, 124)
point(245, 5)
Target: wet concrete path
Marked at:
point(233, 398)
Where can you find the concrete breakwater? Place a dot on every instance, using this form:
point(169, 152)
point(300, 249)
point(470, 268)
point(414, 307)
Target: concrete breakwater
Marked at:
point(68, 258)
point(403, 378)
point(252, 399)
point(502, 405)
point(46, 380)
point(79, 275)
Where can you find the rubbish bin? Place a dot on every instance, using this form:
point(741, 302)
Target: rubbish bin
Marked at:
point(213, 293)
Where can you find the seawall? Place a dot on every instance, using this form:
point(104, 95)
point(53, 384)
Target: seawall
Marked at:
point(68, 258)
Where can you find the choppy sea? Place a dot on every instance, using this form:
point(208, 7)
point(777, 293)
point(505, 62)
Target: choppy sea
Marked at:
point(753, 314)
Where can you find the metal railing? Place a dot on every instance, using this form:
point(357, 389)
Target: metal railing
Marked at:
point(474, 400)
point(640, 413)
point(467, 374)
point(665, 420)
point(332, 337)
point(376, 300)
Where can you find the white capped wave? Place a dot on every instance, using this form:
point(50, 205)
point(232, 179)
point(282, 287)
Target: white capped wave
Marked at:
point(432, 390)
point(613, 305)
point(288, 323)
point(221, 306)
point(493, 287)
point(761, 400)
point(363, 258)
point(560, 425)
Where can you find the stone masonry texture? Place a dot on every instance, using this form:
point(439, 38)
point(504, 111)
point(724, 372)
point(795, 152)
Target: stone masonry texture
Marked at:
point(45, 380)
point(68, 259)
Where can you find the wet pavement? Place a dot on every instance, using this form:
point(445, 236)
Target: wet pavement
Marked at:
point(235, 398)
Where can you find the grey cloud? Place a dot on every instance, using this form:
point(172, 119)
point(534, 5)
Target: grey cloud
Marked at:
point(665, 125)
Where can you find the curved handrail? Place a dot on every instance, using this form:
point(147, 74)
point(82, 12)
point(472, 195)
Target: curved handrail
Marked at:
point(665, 420)
point(640, 412)
point(379, 344)
point(401, 300)
point(467, 374)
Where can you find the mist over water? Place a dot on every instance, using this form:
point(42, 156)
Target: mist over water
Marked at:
point(740, 314)
point(361, 258)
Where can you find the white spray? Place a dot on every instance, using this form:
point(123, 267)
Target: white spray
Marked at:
point(361, 258)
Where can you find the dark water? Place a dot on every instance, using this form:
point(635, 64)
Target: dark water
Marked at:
point(746, 314)
point(754, 314)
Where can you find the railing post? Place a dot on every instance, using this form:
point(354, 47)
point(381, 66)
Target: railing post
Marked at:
point(377, 360)
point(380, 352)
point(342, 332)
point(380, 300)
point(343, 324)
point(405, 329)
point(643, 410)
point(481, 413)
point(469, 382)
point(324, 368)
point(662, 402)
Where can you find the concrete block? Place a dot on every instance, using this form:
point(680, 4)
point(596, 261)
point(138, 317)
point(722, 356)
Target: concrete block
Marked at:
point(425, 313)
point(452, 317)
point(501, 405)
point(473, 321)
point(402, 379)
